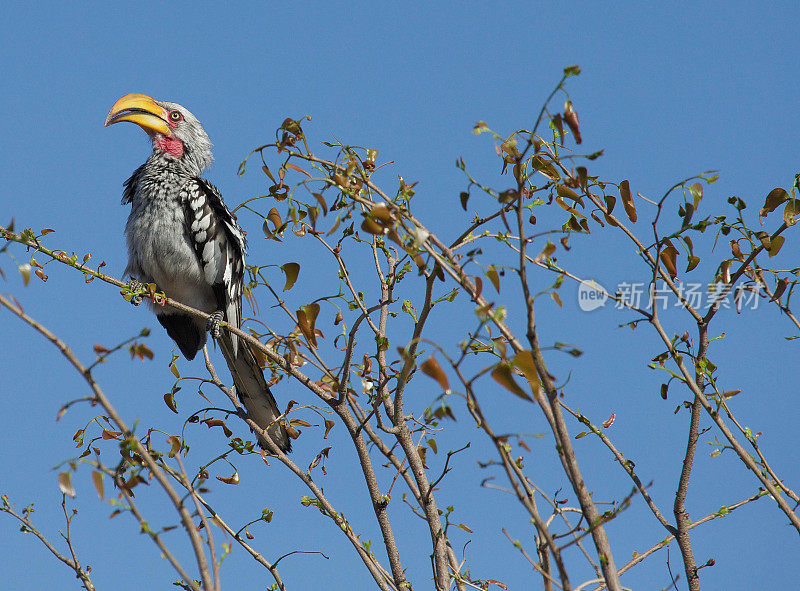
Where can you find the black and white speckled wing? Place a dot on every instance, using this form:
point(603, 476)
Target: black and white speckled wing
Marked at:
point(220, 246)
point(130, 186)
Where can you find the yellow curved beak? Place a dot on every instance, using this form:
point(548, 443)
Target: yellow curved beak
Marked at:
point(141, 110)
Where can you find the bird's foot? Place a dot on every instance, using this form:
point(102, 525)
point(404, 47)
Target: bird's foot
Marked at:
point(212, 325)
point(134, 286)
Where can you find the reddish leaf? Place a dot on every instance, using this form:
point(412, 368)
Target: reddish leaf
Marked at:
point(571, 117)
point(297, 168)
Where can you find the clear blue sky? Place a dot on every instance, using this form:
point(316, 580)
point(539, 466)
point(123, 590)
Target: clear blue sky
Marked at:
point(666, 92)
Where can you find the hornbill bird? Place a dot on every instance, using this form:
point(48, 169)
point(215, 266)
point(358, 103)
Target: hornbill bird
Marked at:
point(183, 238)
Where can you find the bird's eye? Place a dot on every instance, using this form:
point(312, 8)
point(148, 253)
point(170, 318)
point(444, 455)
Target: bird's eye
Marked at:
point(175, 116)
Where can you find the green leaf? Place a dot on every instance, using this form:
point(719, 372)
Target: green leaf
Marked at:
point(696, 189)
point(547, 251)
point(774, 199)
point(408, 308)
point(491, 273)
point(564, 191)
point(775, 245)
point(292, 270)
point(790, 211)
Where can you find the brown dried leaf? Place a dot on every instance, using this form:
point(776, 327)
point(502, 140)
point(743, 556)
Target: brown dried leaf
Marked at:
point(503, 376)
point(724, 271)
point(169, 400)
point(274, 217)
point(97, 479)
point(523, 361)
point(669, 257)
point(175, 445)
point(328, 426)
point(422, 451)
point(737, 252)
point(430, 367)
point(779, 289)
point(306, 317)
point(627, 200)
point(370, 226)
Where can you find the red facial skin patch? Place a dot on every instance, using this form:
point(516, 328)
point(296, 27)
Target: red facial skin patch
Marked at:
point(169, 144)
